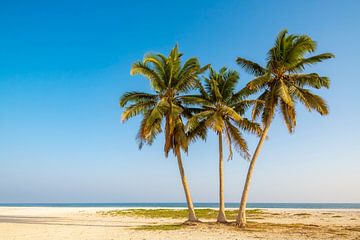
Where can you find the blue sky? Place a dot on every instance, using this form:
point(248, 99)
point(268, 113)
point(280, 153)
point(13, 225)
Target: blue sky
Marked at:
point(64, 64)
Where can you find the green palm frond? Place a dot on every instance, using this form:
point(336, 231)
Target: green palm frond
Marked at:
point(215, 122)
point(136, 109)
point(158, 112)
point(194, 100)
point(157, 61)
point(270, 104)
point(289, 116)
point(170, 80)
point(242, 94)
point(250, 67)
point(258, 83)
point(283, 92)
point(237, 140)
point(143, 69)
point(311, 101)
point(136, 97)
point(249, 126)
point(145, 134)
point(242, 106)
point(221, 109)
point(311, 80)
point(230, 78)
point(280, 84)
point(297, 47)
point(197, 132)
point(230, 112)
point(301, 64)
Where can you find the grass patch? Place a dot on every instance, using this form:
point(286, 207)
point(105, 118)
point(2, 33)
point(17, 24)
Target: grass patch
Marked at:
point(250, 227)
point(180, 213)
point(336, 216)
point(337, 232)
point(165, 227)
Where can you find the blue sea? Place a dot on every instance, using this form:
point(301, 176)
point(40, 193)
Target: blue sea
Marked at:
point(199, 205)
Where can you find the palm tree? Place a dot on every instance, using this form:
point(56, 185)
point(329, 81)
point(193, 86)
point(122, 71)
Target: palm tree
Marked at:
point(221, 110)
point(281, 84)
point(169, 79)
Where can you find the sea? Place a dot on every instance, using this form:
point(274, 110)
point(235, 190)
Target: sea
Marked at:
point(199, 205)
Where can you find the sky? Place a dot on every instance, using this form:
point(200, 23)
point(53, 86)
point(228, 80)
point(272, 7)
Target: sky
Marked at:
point(64, 65)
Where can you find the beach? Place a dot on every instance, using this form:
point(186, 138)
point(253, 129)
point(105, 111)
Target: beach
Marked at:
point(75, 223)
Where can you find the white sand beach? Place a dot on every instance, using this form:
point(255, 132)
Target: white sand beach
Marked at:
point(62, 223)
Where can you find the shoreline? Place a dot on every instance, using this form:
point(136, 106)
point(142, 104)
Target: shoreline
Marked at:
point(177, 208)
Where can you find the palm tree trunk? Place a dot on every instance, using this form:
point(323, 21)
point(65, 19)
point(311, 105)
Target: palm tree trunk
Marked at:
point(241, 218)
point(221, 216)
point(192, 216)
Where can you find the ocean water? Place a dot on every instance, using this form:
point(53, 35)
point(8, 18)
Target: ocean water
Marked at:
point(183, 205)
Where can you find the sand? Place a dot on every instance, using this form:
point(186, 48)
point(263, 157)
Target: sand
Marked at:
point(60, 223)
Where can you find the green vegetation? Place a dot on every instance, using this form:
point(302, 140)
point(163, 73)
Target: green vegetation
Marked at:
point(256, 227)
point(179, 213)
point(165, 227)
point(210, 214)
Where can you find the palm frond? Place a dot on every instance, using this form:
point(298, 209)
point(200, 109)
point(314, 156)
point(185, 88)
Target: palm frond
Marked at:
point(136, 109)
point(249, 126)
point(158, 64)
point(230, 112)
point(136, 97)
point(237, 141)
point(145, 134)
point(251, 67)
point(311, 79)
point(310, 100)
point(242, 106)
point(300, 65)
point(143, 69)
point(258, 83)
point(289, 116)
point(283, 92)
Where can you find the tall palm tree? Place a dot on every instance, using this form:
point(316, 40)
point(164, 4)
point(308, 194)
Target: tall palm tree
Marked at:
point(280, 85)
point(169, 79)
point(221, 110)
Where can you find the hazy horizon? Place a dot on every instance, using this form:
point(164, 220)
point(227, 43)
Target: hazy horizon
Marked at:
point(64, 65)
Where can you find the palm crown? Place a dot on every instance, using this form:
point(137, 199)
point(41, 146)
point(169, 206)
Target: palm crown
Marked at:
point(169, 79)
point(222, 109)
point(282, 82)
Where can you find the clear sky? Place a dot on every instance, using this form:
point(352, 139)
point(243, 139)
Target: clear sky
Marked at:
point(64, 64)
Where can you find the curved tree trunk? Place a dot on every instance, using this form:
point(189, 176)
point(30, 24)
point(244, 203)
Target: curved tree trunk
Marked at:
point(241, 218)
point(192, 216)
point(221, 216)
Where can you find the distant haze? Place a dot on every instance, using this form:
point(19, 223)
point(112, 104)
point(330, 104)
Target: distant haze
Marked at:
point(64, 64)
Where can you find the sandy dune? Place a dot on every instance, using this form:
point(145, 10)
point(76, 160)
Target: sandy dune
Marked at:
point(40, 223)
